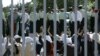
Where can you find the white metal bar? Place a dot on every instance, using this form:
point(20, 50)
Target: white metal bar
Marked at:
point(65, 28)
point(96, 15)
point(23, 37)
point(55, 28)
point(1, 17)
point(17, 28)
point(34, 29)
point(12, 27)
point(85, 28)
point(96, 27)
point(75, 28)
point(44, 26)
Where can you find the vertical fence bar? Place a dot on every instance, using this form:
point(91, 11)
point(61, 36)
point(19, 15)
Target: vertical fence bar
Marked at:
point(85, 28)
point(12, 27)
point(23, 37)
point(34, 29)
point(1, 17)
point(55, 28)
point(44, 26)
point(65, 28)
point(75, 27)
point(96, 29)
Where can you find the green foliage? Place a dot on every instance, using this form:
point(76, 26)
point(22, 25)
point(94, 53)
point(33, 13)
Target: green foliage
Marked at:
point(50, 4)
point(60, 4)
point(5, 10)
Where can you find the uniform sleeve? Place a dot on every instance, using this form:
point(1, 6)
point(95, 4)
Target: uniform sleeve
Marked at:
point(73, 39)
point(48, 38)
point(80, 16)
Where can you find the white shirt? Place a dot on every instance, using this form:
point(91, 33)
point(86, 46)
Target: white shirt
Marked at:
point(48, 38)
point(37, 16)
point(29, 45)
point(62, 15)
point(83, 12)
point(50, 16)
point(68, 40)
point(41, 14)
point(26, 17)
point(29, 39)
point(62, 38)
point(32, 16)
point(79, 16)
point(91, 35)
point(57, 16)
point(58, 37)
point(97, 39)
point(4, 45)
point(19, 13)
point(37, 40)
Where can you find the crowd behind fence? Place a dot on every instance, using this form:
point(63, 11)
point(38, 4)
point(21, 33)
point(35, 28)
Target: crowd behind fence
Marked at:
point(58, 32)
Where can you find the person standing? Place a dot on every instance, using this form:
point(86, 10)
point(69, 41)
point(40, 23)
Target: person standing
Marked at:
point(50, 15)
point(80, 8)
point(41, 14)
point(92, 19)
point(16, 17)
point(4, 24)
point(26, 20)
point(62, 15)
point(78, 16)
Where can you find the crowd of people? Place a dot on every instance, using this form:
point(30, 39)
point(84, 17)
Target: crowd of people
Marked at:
point(70, 36)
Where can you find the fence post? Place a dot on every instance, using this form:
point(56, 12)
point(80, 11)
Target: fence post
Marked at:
point(34, 27)
point(65, 28)
point(85, 29)
point(75, 27)
point(96, 29)
point(44, 26)
point(98, 4)
point(1, 17)
point(12, 28)
point(23, 29)
point(55, 28)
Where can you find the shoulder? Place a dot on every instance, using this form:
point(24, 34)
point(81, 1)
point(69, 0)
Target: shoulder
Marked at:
point(29, 39)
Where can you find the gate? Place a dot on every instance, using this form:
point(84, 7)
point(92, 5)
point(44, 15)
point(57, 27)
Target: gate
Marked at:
point(66, 49)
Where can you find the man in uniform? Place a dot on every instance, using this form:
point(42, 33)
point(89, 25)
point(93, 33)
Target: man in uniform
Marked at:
point(78, 16)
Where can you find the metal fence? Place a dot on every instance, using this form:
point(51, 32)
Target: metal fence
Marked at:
point(55, 29)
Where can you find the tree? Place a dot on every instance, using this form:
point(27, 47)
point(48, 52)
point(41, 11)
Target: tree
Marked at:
point(99, 4)
point(60, 4)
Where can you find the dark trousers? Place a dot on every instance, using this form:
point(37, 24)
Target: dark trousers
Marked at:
point(90, 49)
point(31, 27)
point(92, 23)
point(4, 28)
point(7, 52)
point(72, 26)
point(98, 48)
point(99, 26)
point(38, 48)
point(20, 28)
